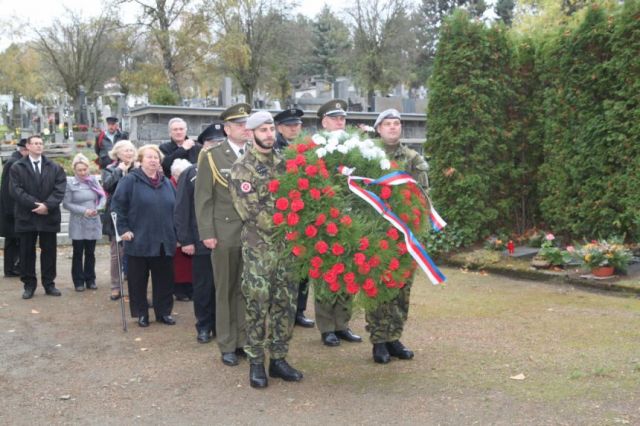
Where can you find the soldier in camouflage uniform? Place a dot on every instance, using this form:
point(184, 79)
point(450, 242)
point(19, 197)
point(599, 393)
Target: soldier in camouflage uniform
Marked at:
point(270, 295)
point(387, 321)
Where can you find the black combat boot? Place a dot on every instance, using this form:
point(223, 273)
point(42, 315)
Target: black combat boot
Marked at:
point(281, 368)
point(397, 349)
point(257, 376)
point(381, 353)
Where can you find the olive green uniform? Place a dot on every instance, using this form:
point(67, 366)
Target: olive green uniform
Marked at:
point(386, 322)
point(217, 218)
point(269, 292)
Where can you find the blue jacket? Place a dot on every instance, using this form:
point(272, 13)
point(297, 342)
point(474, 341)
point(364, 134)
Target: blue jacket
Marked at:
point(147, 212)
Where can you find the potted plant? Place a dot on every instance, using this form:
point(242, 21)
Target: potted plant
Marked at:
point(550, 254)
point(604, 258)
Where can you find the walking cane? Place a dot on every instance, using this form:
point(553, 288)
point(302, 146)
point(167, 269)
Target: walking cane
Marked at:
point(114, 218)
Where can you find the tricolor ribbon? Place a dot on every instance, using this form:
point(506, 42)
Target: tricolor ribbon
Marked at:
point(414, 247)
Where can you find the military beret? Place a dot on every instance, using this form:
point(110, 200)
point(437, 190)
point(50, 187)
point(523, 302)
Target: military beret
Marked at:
point(213, 132)
point(258, 118)
point(333, 108)
point(289, 116)
point(237, 113)
point(388, 113)
point(112, 120)
point(22, 143)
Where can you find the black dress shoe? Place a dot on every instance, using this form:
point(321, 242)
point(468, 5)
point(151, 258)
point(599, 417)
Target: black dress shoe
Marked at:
point(305, 322)
point(281, 368)
point(166, 319)
point(115, 295)
point(28, 293)
point(11, 274)
point(348, 335)
point(79, 287)
point(182, 298)
point(143, 320)
point(52, 291)
point(257, 376)
point(397, 349)
point(381, 353)
point(229, 358)
point(204, 336)
point(241, 352)
point(330, 339)
point(91, 285)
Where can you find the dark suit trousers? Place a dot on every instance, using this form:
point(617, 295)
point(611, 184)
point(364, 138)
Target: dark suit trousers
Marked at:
point(48, 253)
point(11, 254)
point(161, 269)
point(204, 292)
point(303, 295)
point(83, 272)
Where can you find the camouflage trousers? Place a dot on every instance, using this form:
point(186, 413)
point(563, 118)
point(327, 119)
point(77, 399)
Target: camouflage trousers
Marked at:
point(386, 322)
point(271, 303)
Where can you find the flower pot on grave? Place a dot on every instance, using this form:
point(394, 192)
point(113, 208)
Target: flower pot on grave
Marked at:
point(540, 263)
point(602, 271)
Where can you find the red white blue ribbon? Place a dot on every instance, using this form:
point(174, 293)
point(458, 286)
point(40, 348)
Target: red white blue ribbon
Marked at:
point(414, 247)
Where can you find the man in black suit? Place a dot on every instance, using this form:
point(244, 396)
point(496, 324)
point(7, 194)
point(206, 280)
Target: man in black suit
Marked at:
point(179, 146)
point(37, 186)
point(7, 220)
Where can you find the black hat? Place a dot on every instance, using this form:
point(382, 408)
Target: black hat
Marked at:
point(22, 143)
point(333, 108)
point(112, 120)
point(237, 113)
point(289, 116)
point(213, 132)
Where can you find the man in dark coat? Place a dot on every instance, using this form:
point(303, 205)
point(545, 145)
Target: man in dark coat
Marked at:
point(180, 146)
point(106, 140)
point(7, 220)
point(204, 293)
point(38, 186)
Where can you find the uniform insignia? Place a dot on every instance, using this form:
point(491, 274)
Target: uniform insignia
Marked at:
point(262, 169)
point(245, 187)
point(241, 110)
point(338, 105)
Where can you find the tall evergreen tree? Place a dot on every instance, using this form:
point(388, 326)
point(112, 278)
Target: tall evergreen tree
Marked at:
point(331, 45)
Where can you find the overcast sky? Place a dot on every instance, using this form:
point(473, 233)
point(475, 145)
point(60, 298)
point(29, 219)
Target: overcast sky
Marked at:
point(43, 12)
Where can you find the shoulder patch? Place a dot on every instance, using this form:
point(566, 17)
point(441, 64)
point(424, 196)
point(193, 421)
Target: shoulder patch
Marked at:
point(217, 144)
point(245, 187)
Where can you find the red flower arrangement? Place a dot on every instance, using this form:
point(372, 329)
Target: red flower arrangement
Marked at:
point(342, 244)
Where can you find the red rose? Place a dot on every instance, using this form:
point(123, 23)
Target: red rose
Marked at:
point(400, 284)
point(330, 276)
point(292, 167)
point(293, 219)
point(311, 231)
point(383, 244)
point(334, 212)
point(416, 211)
point(300, 160)
point(346, 220)
point(291, 236)
point(407, 273)
point(394, 264)
point(368, 284)
point(327, 190)
point(297, 250)
point(352, 288)
point(282, 204)
point(297, 205)
point(315, 193)
point(364, 244)
point(274, 185)
point(393, 233)
point(391, 284)
point(316, 261)
point(303, 184)
point(359, 258)
point(321, 219)
point(364, 269)
point(294, 195)
point(406, 194)
point(385, 193)
point(301, 148)
point(278, 218)
point(372, 293)
point(416, 222)
point(334, 286)
point(349, 277)
point(374, 261)
point(314, 273)
point(338, 268)
point(337, 249)
point(394, 164)
point(332, 229)
point(311, 170)
point(404, 217)
point(321, 247)
point(402, 248)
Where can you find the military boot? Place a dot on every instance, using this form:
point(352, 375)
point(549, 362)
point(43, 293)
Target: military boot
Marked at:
point(381, 353)
point(397, 349)
point(281, 368)
point(257, 376)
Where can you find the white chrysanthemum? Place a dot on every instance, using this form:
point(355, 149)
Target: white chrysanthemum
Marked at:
point(321, 152)
point(343, 149)
point(331, 147)
point(318, 139)
point(385, 164)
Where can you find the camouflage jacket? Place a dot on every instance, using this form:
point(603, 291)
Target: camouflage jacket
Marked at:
point(413, 163)
point(249, 187)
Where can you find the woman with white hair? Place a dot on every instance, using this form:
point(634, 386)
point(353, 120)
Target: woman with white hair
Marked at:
point(182, 275)
point(83, 198)
point(124, 155)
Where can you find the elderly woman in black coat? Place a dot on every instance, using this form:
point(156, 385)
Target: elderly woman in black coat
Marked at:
point(144, 201)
